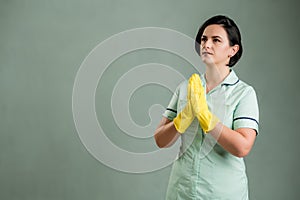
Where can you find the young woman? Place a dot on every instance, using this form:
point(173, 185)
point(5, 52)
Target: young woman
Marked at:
point(220, 173)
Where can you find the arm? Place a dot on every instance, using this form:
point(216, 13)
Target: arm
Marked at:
point(169, 130)
point(237, 142)
point(240, 140)
point(166, 133)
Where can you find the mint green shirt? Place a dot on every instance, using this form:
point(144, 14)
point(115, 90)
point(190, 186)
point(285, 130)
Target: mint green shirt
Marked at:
point(204, 170)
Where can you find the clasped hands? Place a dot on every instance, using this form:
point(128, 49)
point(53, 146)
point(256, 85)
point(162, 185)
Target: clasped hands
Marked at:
point(196, 107)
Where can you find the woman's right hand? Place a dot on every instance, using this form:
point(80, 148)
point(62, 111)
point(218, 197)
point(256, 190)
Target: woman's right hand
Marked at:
point(184, 119)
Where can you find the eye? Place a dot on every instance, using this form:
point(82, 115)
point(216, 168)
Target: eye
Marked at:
point(203, 39)
point(216, 40)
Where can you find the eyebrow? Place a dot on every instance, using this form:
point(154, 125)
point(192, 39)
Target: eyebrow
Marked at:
point(215, 36)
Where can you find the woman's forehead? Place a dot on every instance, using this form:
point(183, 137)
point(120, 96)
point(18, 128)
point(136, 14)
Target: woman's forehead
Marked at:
point(214, 30)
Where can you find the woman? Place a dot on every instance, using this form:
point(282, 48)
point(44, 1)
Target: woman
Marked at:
point(219, 173)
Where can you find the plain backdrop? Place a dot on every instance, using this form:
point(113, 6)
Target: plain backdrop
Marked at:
point(42, 45)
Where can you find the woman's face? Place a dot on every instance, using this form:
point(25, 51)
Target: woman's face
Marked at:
point(214, 47)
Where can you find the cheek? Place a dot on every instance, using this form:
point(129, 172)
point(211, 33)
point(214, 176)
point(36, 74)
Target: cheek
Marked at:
point(224, 50)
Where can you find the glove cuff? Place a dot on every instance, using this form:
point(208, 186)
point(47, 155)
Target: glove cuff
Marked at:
point(213, 122)
point(208, 122)
point(177, 124)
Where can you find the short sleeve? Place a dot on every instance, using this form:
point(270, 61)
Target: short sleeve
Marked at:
point(246, 114)
point(171, 110)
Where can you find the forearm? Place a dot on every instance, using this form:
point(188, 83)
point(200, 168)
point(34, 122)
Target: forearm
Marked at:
point(237, 142)
point(165, 135)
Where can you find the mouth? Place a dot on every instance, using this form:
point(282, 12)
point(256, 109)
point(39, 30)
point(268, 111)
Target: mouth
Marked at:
point(206, 53)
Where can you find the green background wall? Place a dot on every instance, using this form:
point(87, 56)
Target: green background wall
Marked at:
point(42, 45)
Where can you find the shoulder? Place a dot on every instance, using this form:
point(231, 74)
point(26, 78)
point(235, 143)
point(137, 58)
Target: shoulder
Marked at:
point(240, 91)
point(233, 83)
point(183, 84)
point(244, 87)
point(181, 90)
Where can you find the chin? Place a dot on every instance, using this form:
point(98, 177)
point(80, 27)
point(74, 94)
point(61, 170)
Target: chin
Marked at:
point(207, 61)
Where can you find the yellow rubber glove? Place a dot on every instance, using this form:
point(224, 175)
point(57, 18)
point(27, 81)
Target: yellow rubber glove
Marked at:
point(207, 120)
point(184, 119)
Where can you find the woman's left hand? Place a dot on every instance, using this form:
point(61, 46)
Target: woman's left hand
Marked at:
point(207, 120)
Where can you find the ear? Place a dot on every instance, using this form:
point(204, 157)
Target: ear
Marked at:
point(233, 50)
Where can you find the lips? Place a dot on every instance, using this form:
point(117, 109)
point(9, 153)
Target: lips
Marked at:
point(206, 53)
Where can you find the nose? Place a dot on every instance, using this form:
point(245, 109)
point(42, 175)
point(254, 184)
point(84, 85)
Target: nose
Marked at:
point(206, 44)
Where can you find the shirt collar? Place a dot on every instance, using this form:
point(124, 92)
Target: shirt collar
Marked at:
point(231, 79)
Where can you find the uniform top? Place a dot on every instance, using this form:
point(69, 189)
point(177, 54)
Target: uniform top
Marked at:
point(204, 170)
point(238, 97)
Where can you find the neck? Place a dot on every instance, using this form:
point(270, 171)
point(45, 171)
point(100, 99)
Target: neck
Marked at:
point(214, 75)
